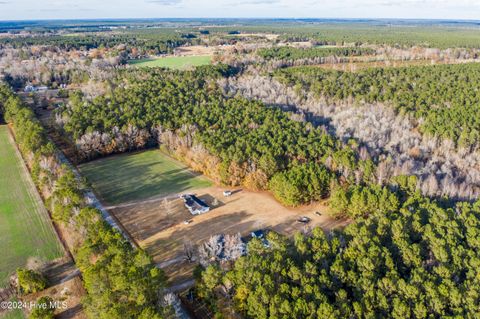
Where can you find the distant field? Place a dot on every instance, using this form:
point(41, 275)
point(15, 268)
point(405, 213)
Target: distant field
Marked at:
point(137, 176)
point(25, 230)
point(173, 62)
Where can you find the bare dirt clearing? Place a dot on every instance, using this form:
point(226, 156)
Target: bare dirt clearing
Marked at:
point(201, 50)
point(70, 292)
point(268, 36)
point(158, 226)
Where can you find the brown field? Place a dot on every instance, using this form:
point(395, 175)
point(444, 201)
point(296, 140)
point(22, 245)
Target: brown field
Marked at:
point(201, 50)
point(298, 44)
point(157, 224)
point(268, 36)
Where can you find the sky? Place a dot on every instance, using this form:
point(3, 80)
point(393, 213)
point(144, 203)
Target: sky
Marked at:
point(90, 9)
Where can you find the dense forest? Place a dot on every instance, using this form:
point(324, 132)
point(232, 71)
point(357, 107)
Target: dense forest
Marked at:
point(121, 282)
point(283, 53)
point(391, 139)
point(52, 67)
point(235, 141)
point(154, 43)
point(393, 35)
point(411, 259)
point(444, 96)
point(377, 32)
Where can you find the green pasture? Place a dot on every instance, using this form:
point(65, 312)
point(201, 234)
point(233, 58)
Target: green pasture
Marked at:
point(173, 62)
point(136, 176)
point(25, 228)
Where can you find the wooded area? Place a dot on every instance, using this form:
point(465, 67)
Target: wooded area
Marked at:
point(247, 143)
point(445, 96)
point(413, 259)
point(391, 150)
point(121, 282)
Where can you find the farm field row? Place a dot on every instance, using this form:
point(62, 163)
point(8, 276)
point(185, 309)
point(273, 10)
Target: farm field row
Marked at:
point(26, 233)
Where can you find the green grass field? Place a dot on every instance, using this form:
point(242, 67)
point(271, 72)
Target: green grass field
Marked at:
point(15, 314)
point(25, 229)
point(173, 62)
point(136, 176)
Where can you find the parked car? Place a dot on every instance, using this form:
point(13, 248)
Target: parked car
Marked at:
point(188, 221)
point(227, 193)
point(318, 213)
point(304, 219)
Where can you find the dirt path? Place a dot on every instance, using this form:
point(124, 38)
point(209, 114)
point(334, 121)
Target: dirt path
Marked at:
point(150, 200)
point(170, 262)
point(182, 286)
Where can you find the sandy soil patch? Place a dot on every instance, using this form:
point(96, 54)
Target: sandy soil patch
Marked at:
point(298, 44)
point(201, 50)
point(268, 36)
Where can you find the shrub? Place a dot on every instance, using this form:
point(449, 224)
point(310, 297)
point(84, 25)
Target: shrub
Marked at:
point(43, 309)
point(30, 281)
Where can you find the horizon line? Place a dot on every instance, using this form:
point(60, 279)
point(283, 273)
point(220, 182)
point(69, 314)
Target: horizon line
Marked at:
point(244, 18)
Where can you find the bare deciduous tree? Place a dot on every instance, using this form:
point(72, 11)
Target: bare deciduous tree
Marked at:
point(188, 250)
point(234, 247)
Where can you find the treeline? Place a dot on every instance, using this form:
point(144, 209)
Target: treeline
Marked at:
point(121, 282)
point(414, 259)
point(444, 97)
point(290, 53)
point(393, 35)
point(391, 139)
point(235, 141)
point(160, 43)
point(53, 67)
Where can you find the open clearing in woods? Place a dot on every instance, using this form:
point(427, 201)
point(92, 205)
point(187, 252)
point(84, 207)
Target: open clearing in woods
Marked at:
point(142, 190)
point(137, 176)
point(25, 228)
point(173, 62)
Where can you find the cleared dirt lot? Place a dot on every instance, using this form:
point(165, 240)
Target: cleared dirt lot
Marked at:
point(158, 224)
point(201, 50)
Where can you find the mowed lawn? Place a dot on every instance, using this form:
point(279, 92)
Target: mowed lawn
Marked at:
point(173, 62)
point(137, 176)
point(25, 228)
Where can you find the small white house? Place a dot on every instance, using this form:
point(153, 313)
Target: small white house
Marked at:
point(195, 205)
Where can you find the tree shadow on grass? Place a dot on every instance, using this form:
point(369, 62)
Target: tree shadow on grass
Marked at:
point(135, 181)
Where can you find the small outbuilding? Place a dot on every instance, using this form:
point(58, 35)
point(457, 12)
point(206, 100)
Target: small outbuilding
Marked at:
point(195, 205)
